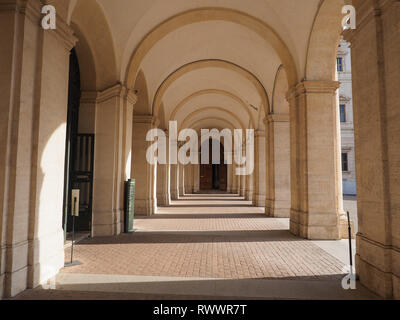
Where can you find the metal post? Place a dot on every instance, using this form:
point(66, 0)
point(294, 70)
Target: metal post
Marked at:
point(73, 232)
point(73, 263)
point(350, 245)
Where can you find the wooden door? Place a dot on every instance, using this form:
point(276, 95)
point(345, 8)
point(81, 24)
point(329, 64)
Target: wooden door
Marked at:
point(223, 177)
point(206, 177)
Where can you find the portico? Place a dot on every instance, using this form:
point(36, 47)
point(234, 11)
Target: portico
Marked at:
point(141, 64)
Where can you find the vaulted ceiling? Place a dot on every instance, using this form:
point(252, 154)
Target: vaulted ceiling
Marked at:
point(195, 60)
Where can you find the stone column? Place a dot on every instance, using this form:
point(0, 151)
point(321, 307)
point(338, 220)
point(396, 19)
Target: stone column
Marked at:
point(33, 88)
point(174, 177)
point(242, 186)
point(129, 100)
point(315, 147)
point(235, 186)
point(278, 166)
point(168, 177)
point(163, 193)
point(162, 185)
point(376, 76)
point(112, 158)
point(181, 180)
point(260, 169)
point(230, 178)
point(144, 172)
point(236, 179)
point(196, 178)
point(188, 178)
point(249, 187)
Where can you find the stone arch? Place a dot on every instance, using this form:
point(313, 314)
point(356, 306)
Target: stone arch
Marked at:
point(279, 103)
point(231, 114)
point(216, 91)
point(87, 63)
point(88, 17)
point(142, 94)
point(324, 41)
point(221, 120)
point(209, 14)
point(207, 64)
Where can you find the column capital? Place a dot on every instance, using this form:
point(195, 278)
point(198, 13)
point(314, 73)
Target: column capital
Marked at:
point(145, 118)
point(117, 90)
point(32, 10)
point(89, 97)
point(259, 133)
point(64, 33)
point(131, 96)
point(313, 87)
point(272, 117)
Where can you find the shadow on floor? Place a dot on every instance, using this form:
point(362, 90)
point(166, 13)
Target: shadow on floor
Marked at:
point(81, 287)
point(195, 237)
point(203, 216)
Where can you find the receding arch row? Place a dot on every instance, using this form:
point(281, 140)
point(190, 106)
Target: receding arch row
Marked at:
point(210, 14)
point(213, 91)
point(188, 118)
point(210, 63)
point(198, 124)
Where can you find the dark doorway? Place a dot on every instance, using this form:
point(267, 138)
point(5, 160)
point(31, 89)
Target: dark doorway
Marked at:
point(214, 176)
point(79, 157)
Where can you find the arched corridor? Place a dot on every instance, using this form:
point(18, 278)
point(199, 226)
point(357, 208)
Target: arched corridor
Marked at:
point(207, 245)
point(225, 115)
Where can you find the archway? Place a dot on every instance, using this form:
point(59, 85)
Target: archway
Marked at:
point(79, 157)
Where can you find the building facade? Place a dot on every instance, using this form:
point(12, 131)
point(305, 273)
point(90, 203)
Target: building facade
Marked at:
point(346, 118)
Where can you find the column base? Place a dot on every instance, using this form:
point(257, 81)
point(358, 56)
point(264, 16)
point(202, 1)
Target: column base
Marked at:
point(314, 226)
point(277, 212)
point(47, 260)
point(188, 190)
point(376, 266)
point(144, 207)
point(15, 282)
point(107, 223)
point(2, 278)
point(105, 230)
point(249, 195)
point(174, 195)
point(16, 274)
point(45, 272)
point(259, 200)
point(162, 200)
point(344, 228)
point(277, 209)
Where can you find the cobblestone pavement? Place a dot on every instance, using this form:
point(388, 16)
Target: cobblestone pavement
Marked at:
point(203, 237)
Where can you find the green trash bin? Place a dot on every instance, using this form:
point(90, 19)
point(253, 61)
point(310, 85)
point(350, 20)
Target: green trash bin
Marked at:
point(129, 205)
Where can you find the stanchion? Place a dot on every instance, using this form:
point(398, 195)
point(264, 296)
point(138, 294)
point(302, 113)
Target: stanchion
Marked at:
point(350, 245)
point(75, 212)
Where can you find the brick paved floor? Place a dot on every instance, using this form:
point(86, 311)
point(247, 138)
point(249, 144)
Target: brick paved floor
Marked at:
point(208, 237)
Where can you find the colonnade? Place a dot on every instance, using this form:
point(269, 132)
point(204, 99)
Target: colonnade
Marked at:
point(297, 156)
